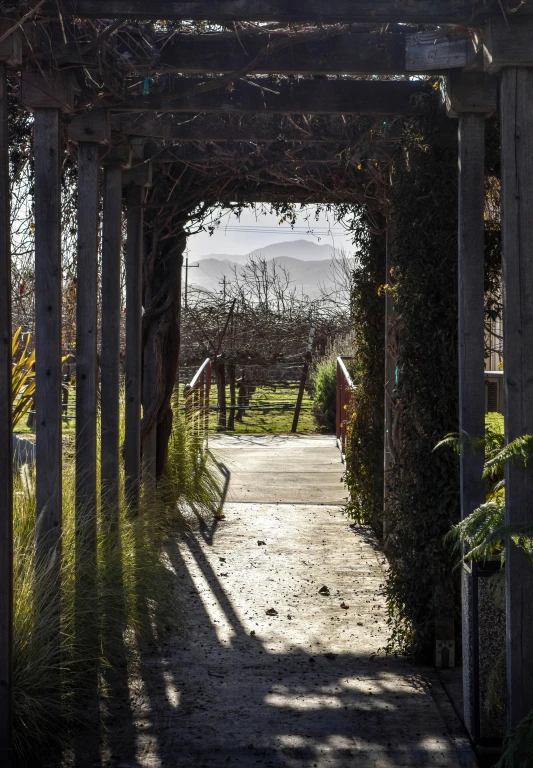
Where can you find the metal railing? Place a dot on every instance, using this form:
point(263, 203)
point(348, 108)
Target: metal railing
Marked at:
point(345, 387)
point(197, 401)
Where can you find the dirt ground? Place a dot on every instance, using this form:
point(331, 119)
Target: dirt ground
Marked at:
point(280, 664)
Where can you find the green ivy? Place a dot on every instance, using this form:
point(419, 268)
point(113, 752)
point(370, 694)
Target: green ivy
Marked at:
point(364, 460)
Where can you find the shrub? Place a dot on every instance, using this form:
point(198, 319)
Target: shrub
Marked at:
point(324, 381)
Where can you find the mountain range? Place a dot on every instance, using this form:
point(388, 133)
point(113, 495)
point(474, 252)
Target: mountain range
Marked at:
point(308, 264)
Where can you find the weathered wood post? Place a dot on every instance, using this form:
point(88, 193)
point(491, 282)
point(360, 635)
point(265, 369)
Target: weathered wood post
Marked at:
point(390, 372)
point(9, 55)
point(471, 97)
point(110, 342)
point(232, 374)
point(134, 246)
point(303, 380)
point(87, 131)
point(509, 48)
point(47, 96)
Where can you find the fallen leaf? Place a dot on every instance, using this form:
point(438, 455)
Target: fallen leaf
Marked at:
point(220, 517)
point(271, 612)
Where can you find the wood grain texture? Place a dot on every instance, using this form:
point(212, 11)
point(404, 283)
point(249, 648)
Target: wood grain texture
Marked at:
point(435, 50)
point(354, 97)
point(248, 128)
point(149, 396)
point(336, 11)
point(516, 97)
point(132, 446)
point(110, 352)
point(48, 331)
point(86, 360)
point(345, 53)
point(48, 488)
point(6, 444)
point(509, 42)
point(471, 347)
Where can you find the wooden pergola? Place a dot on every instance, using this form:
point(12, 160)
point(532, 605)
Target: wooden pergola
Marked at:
point(484, 48)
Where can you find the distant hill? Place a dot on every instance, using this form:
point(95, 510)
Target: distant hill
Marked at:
point(304, 250)
point(307, 276)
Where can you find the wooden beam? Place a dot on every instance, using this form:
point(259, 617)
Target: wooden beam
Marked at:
point(345, 53)
point(471, 262)
point(6, 441)
point(132, 445)
point(516, 97)
point(86, 359)
point(241, 128)
point(355, 97)
point(508, 43)
point(52, 90)
point(234, 155)
point(437, 50)
point(110, 352)
point(472, 92)
point(48, 525)
point(94, 126)
point(278, 193)
point(334, 12)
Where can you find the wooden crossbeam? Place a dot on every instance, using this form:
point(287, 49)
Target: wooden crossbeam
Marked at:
point(356, 97)
point(274, 193)
point(233, 155)
point(334, 12)
point(249, 128)
point(346, 53)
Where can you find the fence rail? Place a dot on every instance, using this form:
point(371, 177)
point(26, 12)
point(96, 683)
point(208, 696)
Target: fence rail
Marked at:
point(345, 387)
point(197, 401)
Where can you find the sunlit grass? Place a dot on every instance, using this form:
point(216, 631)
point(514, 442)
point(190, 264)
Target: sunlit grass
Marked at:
point(105, 612)
point(271, 411)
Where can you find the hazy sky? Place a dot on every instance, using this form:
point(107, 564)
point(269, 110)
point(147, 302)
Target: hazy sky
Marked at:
point(256, 230)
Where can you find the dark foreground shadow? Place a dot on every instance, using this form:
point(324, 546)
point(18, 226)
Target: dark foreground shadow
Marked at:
point(219, 696)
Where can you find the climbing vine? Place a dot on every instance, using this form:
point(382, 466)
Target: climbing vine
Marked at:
point(364, 462)
point(423, 487)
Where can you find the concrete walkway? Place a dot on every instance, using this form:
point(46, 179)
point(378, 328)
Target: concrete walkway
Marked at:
point(274, 673)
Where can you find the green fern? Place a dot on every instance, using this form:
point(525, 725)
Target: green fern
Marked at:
point(518, 747)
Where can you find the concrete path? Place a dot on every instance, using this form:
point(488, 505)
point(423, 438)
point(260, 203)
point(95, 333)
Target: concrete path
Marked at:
point(272, 672)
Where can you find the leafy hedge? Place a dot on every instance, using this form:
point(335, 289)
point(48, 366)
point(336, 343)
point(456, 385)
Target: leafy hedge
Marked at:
point(364, 460)
point(423, 501)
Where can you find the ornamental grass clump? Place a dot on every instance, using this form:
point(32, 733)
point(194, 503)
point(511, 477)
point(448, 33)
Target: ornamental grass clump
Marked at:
point(107, 610)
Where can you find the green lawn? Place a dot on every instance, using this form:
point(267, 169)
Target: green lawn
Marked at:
point(271, 411)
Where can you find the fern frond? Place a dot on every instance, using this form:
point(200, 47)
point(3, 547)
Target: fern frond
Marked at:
point(519, 451)
point(518, 747)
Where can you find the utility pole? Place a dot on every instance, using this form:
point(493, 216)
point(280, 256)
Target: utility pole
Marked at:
point(223, 281)
point(193, 266)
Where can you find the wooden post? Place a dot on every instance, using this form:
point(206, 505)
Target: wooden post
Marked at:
point(86, 360)
point(149, 443)
point(48, 337)
point(232, 372)
point(110, 344)
point(516, 97)
point(6, 442)
point(220, 373)
point(470, 97)
point(390, 372)
point(132, 446)
point(303, 379)
point(471, 344)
